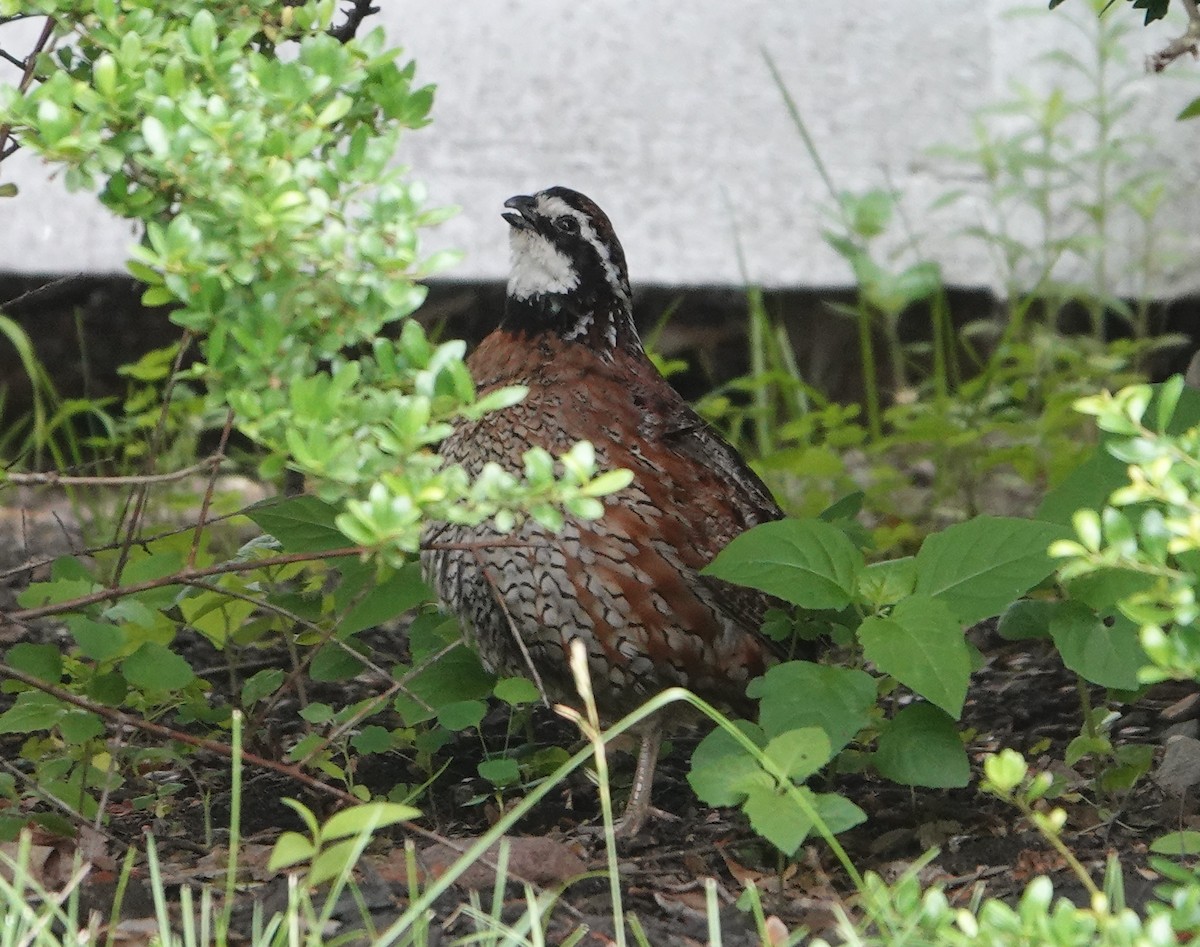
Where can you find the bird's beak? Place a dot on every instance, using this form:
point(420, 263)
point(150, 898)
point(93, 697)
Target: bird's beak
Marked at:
point(524, 206)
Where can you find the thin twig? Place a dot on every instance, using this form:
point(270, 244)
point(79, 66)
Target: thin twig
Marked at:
point(38, 561)
point(224, 751)
point(179, 578)
point(354, 17)
point(141, 491)
point(26, 80)
point(208, 493)
point(54, 479)
point(122, 719)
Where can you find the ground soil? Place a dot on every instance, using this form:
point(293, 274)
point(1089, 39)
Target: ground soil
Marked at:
point(1021, 697)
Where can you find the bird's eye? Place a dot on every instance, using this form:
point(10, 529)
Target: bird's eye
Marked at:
point(567, 224)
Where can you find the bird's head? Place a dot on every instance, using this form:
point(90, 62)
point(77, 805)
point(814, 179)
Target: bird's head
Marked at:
point(568, 270)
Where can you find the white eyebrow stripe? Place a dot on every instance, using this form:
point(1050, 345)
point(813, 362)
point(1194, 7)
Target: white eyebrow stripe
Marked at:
point(551, 206)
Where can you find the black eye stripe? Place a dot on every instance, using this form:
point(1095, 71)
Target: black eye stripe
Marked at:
point(567, 224)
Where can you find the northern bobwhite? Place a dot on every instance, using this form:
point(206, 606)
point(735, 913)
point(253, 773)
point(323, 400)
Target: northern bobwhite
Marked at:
point(626, 585)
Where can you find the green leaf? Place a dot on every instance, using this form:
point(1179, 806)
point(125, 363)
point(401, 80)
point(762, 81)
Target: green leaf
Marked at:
point(806, 562)
point(921, 644)
point(291, 848)
point(373, 739)
point(979, 567)
point(1191, 110)
point(43, 661)
point(155, 135)
point(78, 726)
point(31, 712)
point(777, 817)
point(262, 684)
point(500, 772)
point(921, 747)
point(516, 691)
point(1183, 842)
point(801, 694)
point(382, 599)
point(456, 676)
point(301, 524)
point(1108, 655)
point(722, 772)
point(799, 753)
point(462, 714)
point(154, 668)
point(1027, 618)
point(335, 662)
point(885, 583)
point(370, 817)
point(97, 640)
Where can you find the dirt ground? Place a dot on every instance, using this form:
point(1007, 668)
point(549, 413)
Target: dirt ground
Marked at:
point(1021, 698)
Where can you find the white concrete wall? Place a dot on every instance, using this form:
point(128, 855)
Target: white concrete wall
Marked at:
point(665, 113)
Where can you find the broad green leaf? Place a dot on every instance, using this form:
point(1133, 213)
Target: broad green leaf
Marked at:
point(290, 848)
point(462, 714)
point(722, 771)
point(382, 599)
point(778, 818)
point(455, 676)
point(802, 694)
point(78, 726)
point(155, 668)
point(1105, 587)
point(799, 753)
point(1184, 842)
point(500, 772)
point(301, 524)
point(43, 661)
point(97, 640)
point(32, 711)
point(366, 818)
point(981, 566)
point(921, 644)
point(885, 583)
point(806, 562)
point(261, 685)
point(372, 739)
point(108, 689)
point(516, 690)
point(1108, 655)
point(335, 662)
point(921, 747)
point(1027, 618)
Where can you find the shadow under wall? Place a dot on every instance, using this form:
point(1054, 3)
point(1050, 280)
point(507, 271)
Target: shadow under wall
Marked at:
point(84, 327)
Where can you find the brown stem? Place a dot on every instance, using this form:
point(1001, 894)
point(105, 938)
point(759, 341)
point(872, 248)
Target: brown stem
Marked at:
point(208, 493)
point(1187, 43)
point(26, 81)
point(179, 578)
point(54, 479)
point(141, 491)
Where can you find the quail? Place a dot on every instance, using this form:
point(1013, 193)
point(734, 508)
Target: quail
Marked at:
point(627, 585)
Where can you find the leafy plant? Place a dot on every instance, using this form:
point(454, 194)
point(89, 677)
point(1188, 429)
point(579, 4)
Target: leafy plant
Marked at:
point(905, 618)
point(1139, 555)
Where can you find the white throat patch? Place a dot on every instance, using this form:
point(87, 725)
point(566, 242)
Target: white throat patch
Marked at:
point(538, 269)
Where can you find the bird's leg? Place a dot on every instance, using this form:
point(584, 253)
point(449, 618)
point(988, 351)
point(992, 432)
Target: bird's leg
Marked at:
point(638, 806)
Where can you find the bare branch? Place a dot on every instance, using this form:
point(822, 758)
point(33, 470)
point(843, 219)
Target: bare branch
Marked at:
point(354, 17)
point(55, 479)
point(1189, 42)
point(177, 578)
point(7, 148)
